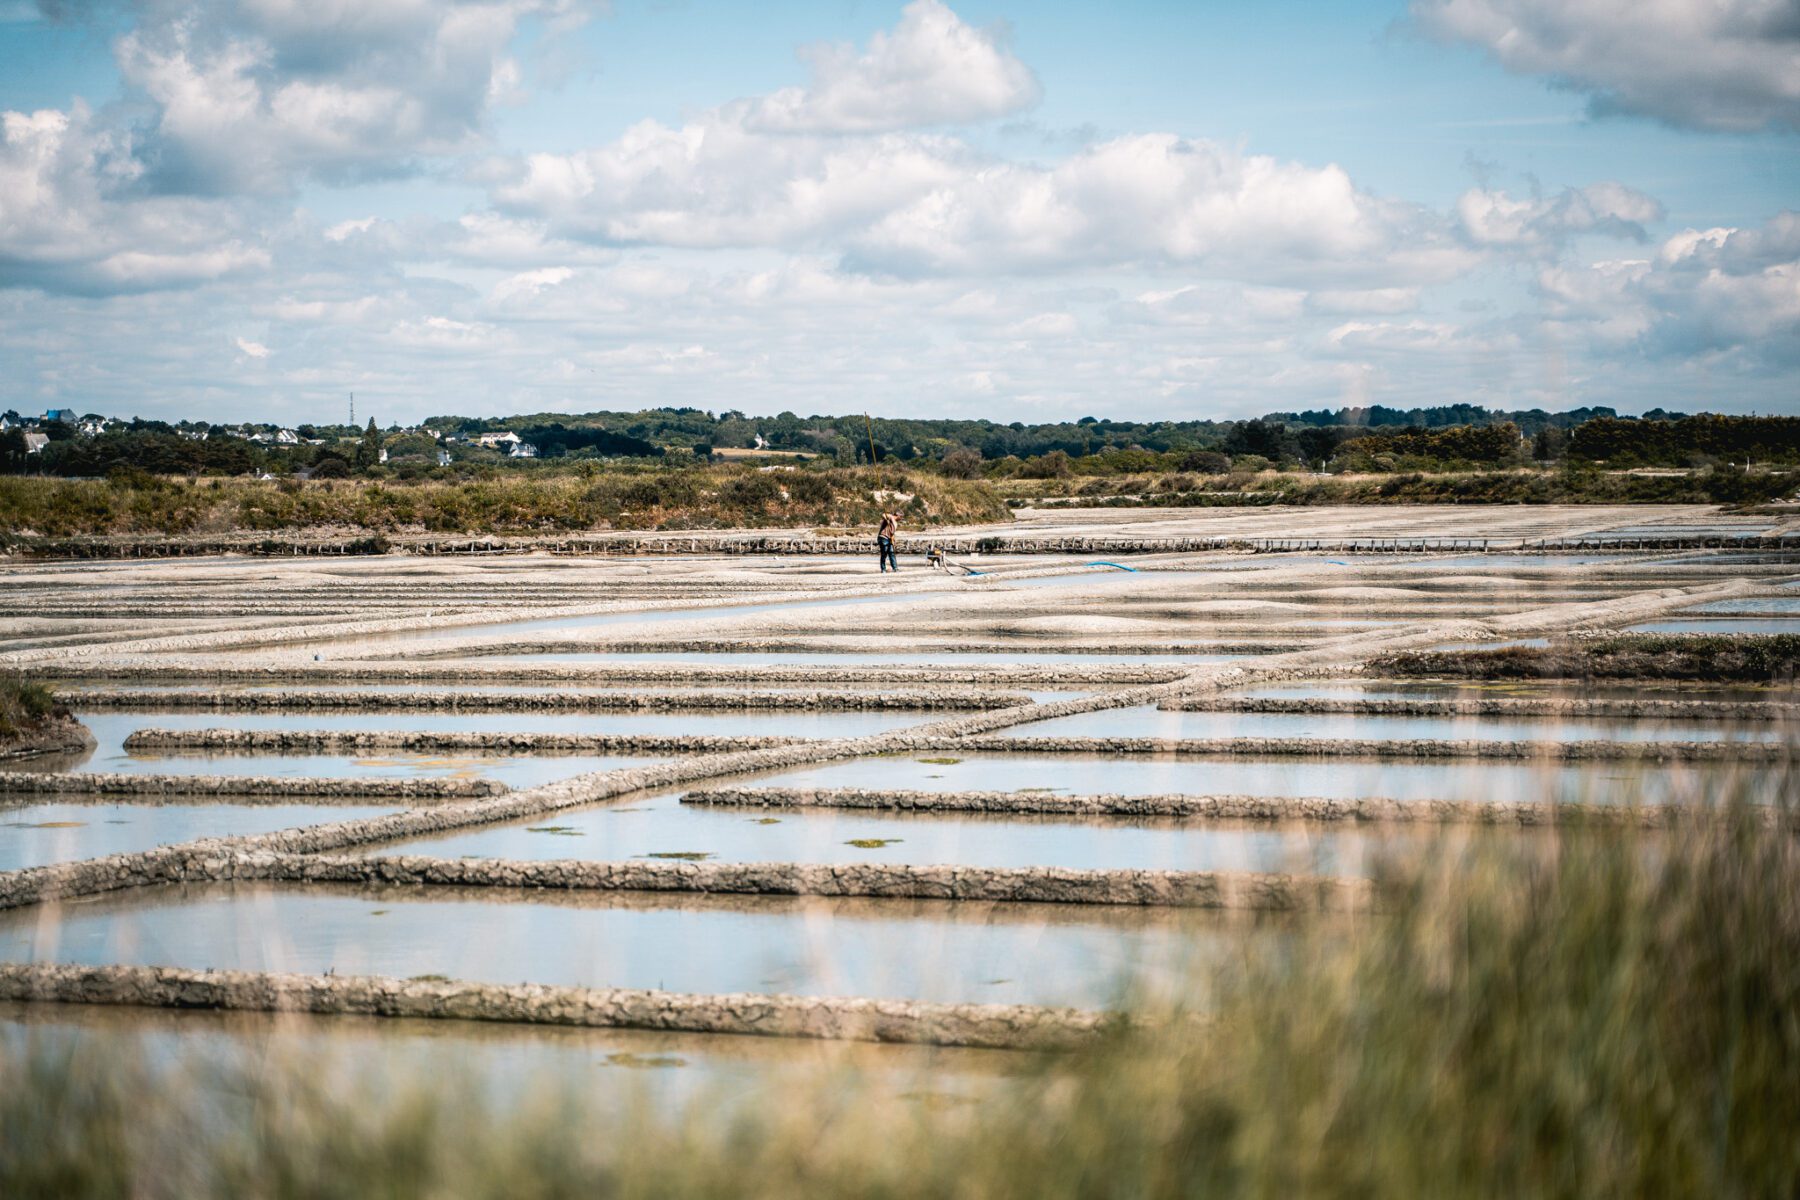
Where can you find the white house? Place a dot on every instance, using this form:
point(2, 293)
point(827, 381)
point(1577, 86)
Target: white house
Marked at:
point(443, 457)
point(496, 440)
point(382, 457)
point(35, 442)
point(286, 437)
point(522, 450)
point(7, 423)
point(93, 426)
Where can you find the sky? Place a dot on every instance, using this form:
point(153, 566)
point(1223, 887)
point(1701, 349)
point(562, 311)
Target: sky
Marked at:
point(235, 210)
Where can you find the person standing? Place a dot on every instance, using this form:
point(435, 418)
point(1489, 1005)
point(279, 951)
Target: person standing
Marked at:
point(884, 539)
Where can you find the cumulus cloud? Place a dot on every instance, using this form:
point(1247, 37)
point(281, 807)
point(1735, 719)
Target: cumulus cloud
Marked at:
point(248, 93)
point(1542, 224)
point(1161, 199)
point(74, 215)
point(1705, 64)
point(1725, 293)
point(913, 204)
point(932, 69)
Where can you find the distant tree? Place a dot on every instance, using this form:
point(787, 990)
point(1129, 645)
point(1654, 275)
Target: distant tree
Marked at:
point(368, 451)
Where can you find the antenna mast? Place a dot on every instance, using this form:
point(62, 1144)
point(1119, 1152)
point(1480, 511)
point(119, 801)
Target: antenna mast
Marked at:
point(353, 410)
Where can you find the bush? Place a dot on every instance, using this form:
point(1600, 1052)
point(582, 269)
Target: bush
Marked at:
point(1206, 462)
point(1054, 465)
point(962, 463)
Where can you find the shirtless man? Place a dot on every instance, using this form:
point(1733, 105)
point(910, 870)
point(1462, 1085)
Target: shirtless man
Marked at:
point(884, 538)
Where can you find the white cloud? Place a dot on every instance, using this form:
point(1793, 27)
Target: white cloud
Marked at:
point(74, 216)
point(251, 349)
point(1158, 199)
point(1708, 64)
point(1713, 293)
point(1541, 225)
point(247, 93)
point(932, 69)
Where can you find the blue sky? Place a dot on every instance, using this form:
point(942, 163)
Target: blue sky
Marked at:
point(249, 208)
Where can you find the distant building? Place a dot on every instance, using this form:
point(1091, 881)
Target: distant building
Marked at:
point(64, 416)
point(7, 423)
point(522, 450)
point(496, 440)
point(382, 457)
point(443, 457)
point(35, 442)
point(93, 426)
point(286, 437)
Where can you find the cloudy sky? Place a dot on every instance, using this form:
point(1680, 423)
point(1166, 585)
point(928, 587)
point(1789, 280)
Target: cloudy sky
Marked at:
point(1021, 209)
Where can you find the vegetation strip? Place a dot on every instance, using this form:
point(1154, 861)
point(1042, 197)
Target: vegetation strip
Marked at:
point(1218, 807)
point(1547, 706)
point(1033, 885)
point(992, 1026)
point(1251, 747)
point(108, 787)
point(292, 700)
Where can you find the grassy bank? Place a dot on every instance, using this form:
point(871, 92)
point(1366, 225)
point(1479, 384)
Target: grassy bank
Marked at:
point(1736, 658)
point(1608, 1016)
point(26, 708)
point(541, 501)
point(1525, 486)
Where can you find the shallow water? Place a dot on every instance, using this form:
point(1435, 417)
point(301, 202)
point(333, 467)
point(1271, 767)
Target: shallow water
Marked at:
point(610, 1070)
point(1147, 774)
point(1750, 604)
point(1025, 656)
point(37, 835)
point(1148, 722)
point(1721, 625)
point(925, 950)
point(700, 611)
point(1442, 689)
point(661, 825)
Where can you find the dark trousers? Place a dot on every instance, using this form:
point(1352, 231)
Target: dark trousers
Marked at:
point(887, 553)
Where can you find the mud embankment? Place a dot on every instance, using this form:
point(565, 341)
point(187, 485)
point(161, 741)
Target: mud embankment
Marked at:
point(52, 737)
point(995, 1026)
point(358, 741)
point(1031, 885)
point(301, 700)
point(1651, 709)
point(1322, 809)
point(107, 788)
point(1377, 748)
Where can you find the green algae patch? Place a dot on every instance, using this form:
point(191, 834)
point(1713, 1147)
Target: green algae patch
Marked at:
point(940, 762)
point(429, 977)
point(683, 855)
point(557, 830)
point(766, 821)
point(872, 843)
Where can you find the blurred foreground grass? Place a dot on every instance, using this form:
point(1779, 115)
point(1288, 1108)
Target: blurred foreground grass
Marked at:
point(1593, 1016)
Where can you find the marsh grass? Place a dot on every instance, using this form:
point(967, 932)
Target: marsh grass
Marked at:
point(25, 705)
point(521, 503)
point(1580, 1016)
